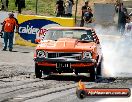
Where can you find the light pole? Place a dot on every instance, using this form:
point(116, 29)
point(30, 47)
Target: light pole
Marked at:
point(76, 12)
point(36, 7)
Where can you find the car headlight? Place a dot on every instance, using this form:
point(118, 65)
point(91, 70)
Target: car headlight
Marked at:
point(41, 54)
point(87, 54)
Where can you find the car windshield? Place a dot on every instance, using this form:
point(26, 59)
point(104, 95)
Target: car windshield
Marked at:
point(81, 35)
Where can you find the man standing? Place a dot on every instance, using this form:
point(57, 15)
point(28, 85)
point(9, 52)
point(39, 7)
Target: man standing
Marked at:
point(20, 4)
point(88, 16)
point(123, 15)
point(60, 10)
point(128, 28)
point(69, 4)
point(8, 27)
point(84, 9)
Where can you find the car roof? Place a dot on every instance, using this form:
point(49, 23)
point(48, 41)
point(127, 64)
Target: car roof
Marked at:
point(80, 28)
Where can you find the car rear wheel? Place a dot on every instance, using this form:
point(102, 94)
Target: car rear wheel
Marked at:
point(99, 72)
point(38, 72)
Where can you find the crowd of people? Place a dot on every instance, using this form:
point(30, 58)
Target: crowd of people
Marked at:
point(64, 8)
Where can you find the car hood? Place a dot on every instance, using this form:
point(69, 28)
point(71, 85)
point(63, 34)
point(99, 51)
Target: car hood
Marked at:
point(66, 44)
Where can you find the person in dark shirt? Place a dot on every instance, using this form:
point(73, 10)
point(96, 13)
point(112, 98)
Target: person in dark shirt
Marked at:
point(88, 18)
point(84, 9)
point(60, 10)
point(122, 20)
point(20, 4)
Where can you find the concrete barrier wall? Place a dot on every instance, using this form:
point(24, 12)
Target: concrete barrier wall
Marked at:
point(32, 27)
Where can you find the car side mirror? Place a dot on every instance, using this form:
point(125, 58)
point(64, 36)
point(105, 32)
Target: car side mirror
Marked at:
point(37, 41)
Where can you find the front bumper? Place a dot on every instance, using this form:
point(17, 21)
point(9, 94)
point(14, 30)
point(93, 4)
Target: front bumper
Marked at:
point(64, 60)
point(65, 65)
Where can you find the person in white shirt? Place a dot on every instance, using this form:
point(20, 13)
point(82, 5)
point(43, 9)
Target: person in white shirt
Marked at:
point(68, 9)
point(128, 28)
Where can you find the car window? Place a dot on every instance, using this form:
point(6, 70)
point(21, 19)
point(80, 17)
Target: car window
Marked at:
point(68, 33)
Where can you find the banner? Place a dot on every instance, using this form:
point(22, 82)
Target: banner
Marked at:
point(33, 27)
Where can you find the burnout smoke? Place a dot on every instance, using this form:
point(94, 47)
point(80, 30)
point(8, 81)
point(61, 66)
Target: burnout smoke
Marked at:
point(117, 52)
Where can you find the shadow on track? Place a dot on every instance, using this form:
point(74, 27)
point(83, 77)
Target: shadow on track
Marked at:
point(68, 78)
point(78, 78)
point(25, 52)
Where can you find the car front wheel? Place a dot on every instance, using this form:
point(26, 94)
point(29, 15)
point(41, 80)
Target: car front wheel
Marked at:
point(93, 74)
point(38, 72)
point(99, 68)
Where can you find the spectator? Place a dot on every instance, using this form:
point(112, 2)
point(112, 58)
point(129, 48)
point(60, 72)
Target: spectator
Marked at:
point(84, 9)
point(69, 5)
point(60, 8)
point(117, 5)
point(8, 29)
point(15, 19)
point(20, 4)
point(88, 18)
point(128, 27)
point(4, 4)
point(123, 15)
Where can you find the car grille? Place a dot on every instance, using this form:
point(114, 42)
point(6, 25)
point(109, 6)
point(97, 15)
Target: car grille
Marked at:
point(77, 56)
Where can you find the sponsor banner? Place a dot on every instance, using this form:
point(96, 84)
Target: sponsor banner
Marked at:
point(3, 16)
point(33, 27)
point(83, 92)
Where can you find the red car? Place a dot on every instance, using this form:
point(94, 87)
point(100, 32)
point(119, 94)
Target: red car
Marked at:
point(68, 50)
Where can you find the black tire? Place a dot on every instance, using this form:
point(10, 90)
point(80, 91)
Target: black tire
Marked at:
point(46, 72)
point(99, 68)
point(92, 74)
point(38, 72)
point(99, 71)
point(81, 94)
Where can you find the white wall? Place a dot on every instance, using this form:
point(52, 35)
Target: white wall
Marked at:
point(104, 13)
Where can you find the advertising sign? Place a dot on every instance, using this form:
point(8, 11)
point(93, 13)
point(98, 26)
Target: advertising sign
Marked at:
point(32, 27)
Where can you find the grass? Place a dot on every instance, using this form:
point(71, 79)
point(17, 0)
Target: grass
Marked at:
point(44, 7)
